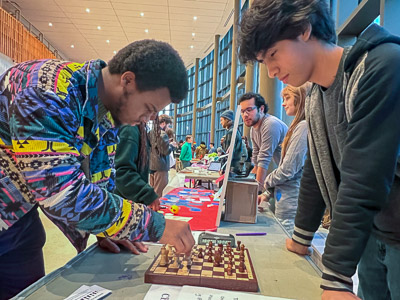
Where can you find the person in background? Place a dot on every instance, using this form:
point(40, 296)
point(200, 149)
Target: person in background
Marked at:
point(66, 116)
point(186, 152)
point(212, 149)
point(161, 148)
point(353, 162)
point(132, 166)
point(267, 133)
point(178, 149)
point(201, 150)
point(226, 120)
point(285, 179)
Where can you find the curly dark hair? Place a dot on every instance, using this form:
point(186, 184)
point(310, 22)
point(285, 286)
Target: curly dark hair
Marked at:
point(258, 100)
point(155, 65)
point(271, 21)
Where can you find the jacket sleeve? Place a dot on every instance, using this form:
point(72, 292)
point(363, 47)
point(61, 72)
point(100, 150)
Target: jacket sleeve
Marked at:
point(294, 158)
point(311, 206)
point(369, 157)
point(49, 128)
point(129, 182)
point(254, 154)
point(163, 145)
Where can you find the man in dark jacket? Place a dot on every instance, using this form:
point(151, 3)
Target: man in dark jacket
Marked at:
point(226, 119)
point(353, 166)
point(132, 166)
point(161, 148)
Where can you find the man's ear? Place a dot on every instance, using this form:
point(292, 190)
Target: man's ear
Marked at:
point(305, 36)
point(128, 80)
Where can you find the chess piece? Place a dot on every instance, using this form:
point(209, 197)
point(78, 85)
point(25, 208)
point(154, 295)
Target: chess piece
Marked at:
point(229, 270)
point(242, 247)
point(200, 253)
point(164, 257)
point(238, 245)
point(210, 259)
point(175, 264)
point(185, 266)
point(210, 244)
point(217, 259)
point(228, 244)
point(242, 267)
point(188, 259)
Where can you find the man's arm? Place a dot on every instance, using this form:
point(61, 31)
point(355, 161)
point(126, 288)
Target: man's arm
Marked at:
point(270, 138)
point(370, 153)
point(294, 158)
point(51, 131)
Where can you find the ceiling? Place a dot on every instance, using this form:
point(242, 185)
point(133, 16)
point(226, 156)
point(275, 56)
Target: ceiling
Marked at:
point(125, 21)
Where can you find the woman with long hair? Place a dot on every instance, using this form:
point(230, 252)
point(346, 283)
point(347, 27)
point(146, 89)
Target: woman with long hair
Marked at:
point(285, 179)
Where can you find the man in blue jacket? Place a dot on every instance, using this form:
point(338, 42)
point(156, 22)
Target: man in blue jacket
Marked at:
point(353, 165)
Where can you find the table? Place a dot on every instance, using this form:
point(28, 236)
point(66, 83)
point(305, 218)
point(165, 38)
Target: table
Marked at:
point(279, 272)
point(202, 174)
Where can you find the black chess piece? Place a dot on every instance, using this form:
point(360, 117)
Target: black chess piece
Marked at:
point(200, 253)
point(238, 245)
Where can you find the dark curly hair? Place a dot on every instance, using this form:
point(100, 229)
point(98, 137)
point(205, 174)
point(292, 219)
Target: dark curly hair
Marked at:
point(258, 100)
point(271, 21)
point(155, 65)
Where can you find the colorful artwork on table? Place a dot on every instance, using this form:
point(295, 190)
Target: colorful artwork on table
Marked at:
point(196, 206)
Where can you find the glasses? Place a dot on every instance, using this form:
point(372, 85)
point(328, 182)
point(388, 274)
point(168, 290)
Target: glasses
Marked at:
point(248, 110)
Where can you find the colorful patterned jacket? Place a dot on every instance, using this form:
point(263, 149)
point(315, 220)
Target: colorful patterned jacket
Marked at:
point(48, 126)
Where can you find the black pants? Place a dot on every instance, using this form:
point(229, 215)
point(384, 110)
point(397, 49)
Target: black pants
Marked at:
point(21, 256)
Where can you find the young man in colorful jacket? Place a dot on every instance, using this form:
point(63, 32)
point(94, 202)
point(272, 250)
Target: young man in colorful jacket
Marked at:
point(353, 165)
point(58, 135)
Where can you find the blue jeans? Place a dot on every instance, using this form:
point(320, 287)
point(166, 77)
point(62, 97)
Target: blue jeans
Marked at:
point(186, 164)
point(379, 271)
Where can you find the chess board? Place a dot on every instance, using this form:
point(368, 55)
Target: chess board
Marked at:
point(204, 273)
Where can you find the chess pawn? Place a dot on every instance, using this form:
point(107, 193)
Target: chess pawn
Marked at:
point(217, 259)
point(242, 247)
point(175, 264)
point(210, 259)
point(228, 244)
point(200, 253)
point(238, 245)
point(229, 270)
point(185, 266)
point(210, 244)
point(242, 267)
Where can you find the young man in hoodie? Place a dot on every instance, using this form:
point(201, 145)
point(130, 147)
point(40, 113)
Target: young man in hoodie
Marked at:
point(353, 165)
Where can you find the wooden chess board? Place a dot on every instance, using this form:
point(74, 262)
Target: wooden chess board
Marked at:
point(204, 273)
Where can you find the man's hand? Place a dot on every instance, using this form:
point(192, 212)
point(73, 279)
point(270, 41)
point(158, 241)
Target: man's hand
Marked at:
point(297, 248)
point(338, 295)
point(178, 234)
point(155, 205)
point(261, 198)
point(113, 245)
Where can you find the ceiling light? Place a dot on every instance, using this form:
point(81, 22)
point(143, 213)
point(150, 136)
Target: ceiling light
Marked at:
point(193, 34)
point(191, 46)
point(107, 41)
point(146, 30)
point(99, 27)
point(142, 14)
point(88, 10)
point(195, 18)
point(72, 46)
point(50, 24)
point(115, 52)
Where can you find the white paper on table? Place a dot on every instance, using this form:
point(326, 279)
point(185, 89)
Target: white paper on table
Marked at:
point(89, 293)
point(163, 292)
point(200, 293)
